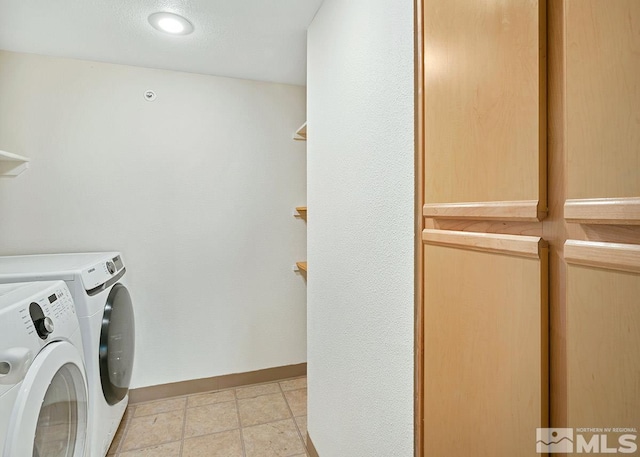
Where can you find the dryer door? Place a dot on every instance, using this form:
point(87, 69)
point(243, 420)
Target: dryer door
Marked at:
point(117, 345)
point(49, 417)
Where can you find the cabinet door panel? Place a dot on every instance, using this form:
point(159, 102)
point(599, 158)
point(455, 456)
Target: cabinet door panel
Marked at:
point(484, 101)
point(603, 98)
point(603, 347)
point(485, 352)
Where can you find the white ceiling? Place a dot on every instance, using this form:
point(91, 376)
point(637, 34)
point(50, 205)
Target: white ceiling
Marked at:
point(253, 39)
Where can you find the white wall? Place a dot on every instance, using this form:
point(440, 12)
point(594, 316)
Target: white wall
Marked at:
point(360, 164)
point(197, 189)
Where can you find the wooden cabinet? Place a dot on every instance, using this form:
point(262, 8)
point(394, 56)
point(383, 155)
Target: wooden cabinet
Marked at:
point(529, 258)
point(485, 359)
point(602, 211)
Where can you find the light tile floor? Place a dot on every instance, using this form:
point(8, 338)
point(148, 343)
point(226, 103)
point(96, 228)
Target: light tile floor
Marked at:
point(262, 420)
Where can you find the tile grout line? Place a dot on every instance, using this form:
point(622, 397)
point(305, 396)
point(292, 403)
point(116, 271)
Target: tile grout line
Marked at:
point(244, 452)
point(295, 423)
point(184, 425)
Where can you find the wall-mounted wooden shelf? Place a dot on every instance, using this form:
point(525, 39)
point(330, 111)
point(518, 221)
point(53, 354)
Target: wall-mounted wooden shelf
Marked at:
point(301, 211)
point(301, 133)
point(12, 164)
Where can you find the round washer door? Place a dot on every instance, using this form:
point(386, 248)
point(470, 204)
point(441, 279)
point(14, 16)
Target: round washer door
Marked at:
point(117, 345)
point(49, 417)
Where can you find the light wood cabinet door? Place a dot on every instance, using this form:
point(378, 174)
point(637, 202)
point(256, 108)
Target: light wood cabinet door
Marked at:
point(603, 98)
point(484, 109)
point(603, 111)
point(602, 211)
point(485, 346)
point(603, 331)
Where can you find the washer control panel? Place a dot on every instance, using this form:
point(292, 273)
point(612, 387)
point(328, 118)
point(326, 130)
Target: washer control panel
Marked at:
point(32, 315)
point(43, 315)
point(100, 273)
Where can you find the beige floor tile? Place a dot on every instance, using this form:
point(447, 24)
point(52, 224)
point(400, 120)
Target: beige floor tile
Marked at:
point(128, 413)
point(211, 425)
point(302, 426)
point(153, 430)
point(225, 444)
point(263, 409)
point(297, 400)
point(254, 391)
point(163, 450)
point(277, 439)
point(162, 406)
point(294, 384)
point(213, 418)
point(210, 397)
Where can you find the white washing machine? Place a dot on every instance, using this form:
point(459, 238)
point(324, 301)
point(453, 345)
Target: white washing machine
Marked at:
point(104, 307)
point(43, 387)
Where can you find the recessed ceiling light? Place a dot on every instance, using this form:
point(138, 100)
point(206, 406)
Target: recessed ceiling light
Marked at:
point(171, 23)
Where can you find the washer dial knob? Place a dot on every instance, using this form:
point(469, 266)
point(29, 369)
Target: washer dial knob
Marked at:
point(44, 327)
point(111, 267)
point(42, 323)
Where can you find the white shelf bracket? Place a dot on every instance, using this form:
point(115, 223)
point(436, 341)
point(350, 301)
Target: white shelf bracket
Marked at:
point(12, 165)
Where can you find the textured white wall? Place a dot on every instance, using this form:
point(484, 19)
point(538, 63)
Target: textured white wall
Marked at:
point(360, 168)
point(197, 189)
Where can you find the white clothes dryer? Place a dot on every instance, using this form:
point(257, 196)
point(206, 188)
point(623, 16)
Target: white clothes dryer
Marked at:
point(105, 310)
point(43, 386)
